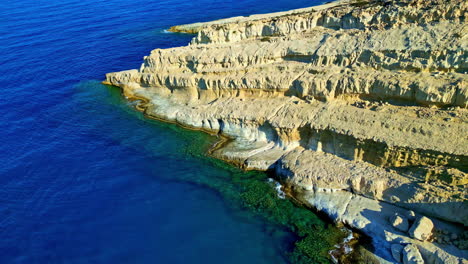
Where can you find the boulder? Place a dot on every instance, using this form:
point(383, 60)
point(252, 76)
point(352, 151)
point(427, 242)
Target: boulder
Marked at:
point(411, 255)
point(422, 229)
point(396, 252)
point(399, 222)
point(411, 215)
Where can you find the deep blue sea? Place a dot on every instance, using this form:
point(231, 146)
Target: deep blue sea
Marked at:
point(86, 179)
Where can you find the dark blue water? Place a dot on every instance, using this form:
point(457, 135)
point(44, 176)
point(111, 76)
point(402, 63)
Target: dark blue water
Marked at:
point(86, 179)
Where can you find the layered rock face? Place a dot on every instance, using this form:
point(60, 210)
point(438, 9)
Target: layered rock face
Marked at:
point(364, 100)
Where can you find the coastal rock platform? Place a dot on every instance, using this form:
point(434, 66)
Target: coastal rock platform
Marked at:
point(360, 107)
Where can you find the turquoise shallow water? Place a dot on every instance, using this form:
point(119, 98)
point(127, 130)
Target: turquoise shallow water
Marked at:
point(85, 178)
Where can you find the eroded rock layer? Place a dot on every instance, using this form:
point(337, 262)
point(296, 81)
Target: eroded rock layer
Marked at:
point(364, 100)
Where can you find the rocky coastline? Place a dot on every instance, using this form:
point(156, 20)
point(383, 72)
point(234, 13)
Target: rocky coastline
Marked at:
point(359, 107)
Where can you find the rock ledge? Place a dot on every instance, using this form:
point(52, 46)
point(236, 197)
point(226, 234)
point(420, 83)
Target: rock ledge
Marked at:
point(359, 106)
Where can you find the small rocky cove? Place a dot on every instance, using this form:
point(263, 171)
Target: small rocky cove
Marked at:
point(359, 108)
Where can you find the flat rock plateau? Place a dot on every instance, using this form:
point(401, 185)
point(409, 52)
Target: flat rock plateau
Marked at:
point(360, 107)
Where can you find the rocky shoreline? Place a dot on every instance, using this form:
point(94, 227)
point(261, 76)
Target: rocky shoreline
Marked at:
point(358, 107)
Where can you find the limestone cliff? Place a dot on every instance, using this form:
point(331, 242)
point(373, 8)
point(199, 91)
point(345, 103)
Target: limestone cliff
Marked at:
point(363, 100)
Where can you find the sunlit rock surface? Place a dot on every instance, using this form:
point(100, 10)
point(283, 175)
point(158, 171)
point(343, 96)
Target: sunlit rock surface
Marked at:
point(358, 106)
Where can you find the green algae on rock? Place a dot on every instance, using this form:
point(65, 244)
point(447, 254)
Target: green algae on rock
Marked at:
point(256, 192)
point(252, 190)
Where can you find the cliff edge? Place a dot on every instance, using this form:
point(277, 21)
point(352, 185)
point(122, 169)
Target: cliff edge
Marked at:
point(360, 107)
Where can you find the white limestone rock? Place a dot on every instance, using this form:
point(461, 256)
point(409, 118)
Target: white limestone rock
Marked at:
point(297, 92)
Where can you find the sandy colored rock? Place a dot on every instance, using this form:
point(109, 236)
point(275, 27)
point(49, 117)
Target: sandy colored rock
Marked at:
point(399, 222)
point(421, 228)
point(411, 255)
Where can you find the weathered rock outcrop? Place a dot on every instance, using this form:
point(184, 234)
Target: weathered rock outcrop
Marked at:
point(422, 229)
point(360, 107)
point(411, 255)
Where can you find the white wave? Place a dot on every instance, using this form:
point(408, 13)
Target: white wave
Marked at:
point(278, 188)
point(343, 247)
